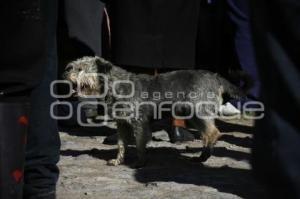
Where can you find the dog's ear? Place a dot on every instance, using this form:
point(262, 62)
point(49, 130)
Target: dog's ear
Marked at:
point(103, 65)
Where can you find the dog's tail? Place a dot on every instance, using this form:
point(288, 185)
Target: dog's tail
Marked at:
point(234, 91)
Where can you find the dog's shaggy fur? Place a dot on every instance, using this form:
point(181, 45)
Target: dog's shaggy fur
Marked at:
point(209, 86)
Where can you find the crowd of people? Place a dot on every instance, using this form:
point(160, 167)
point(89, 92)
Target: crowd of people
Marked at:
point(39, 38)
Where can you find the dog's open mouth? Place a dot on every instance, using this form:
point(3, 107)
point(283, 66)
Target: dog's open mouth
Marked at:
point(78, 91)
point(74, 93)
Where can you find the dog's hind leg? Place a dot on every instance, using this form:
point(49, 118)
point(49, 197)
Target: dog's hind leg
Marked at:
point(210, 135)
point(124, 132)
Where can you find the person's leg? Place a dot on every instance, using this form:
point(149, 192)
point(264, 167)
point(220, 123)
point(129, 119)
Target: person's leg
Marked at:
point(13, 122)
point(179, 132)
point(239, 13)
point(276, 154)
point(42, 153)
point(21, 65)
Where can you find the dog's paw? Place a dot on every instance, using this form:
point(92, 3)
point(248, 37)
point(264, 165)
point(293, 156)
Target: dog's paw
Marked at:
point(206, 153)
point(113, 162)
point(139, 164)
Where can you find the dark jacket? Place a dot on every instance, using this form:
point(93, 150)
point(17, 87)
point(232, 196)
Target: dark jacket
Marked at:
point(23, 44)
point(79, 30)
point(25, 27)
point(84, 21)
point(154, 33)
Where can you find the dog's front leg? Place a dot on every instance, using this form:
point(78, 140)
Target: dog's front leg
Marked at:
point(120, 157)
point(124, 133)
point(142, 134)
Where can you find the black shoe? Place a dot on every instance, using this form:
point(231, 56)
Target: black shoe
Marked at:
point(180, 134)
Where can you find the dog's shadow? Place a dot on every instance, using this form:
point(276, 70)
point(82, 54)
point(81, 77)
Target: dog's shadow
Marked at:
point(226, 127)
point(166, 164)
point(176, 169)
point(169, 165)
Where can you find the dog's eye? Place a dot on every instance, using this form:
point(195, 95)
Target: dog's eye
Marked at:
point(69, 68)
point(79, 69)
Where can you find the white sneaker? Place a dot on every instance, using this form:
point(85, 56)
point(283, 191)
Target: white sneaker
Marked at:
point(228, 109)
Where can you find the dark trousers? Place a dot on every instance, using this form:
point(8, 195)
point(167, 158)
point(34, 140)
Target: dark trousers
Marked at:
point(276, 152)
point(13, 122)
point(42, 153)
point(239, 13)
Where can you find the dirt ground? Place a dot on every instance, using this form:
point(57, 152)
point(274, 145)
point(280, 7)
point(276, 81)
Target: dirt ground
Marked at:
point(168, 174)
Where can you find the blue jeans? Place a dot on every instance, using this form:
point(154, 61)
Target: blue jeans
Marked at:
point(43, 146)
point(239, 12)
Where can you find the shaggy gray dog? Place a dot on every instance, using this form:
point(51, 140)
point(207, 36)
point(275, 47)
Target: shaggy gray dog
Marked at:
point(134, 100)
